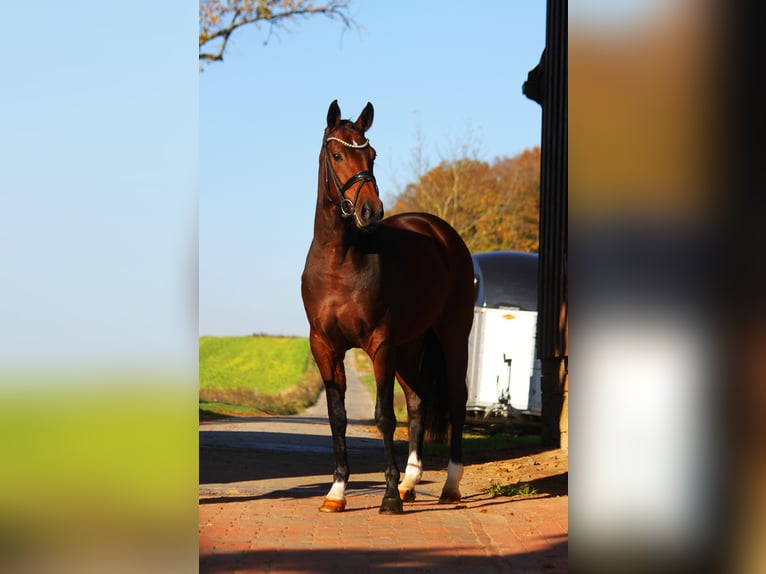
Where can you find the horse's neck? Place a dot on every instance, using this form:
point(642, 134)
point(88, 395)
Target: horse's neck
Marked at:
point(334, 238)
point(328, 226)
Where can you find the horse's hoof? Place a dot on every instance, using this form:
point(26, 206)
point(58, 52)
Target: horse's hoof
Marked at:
point(407, 494)
point(332, 505)
point(391, 506)
point(449, 498)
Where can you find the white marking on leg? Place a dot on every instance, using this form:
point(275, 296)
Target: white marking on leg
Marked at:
point(337, 491)
point(413, 472)
point(454, 474)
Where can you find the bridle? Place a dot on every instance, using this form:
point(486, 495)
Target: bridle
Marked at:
point(347, 206)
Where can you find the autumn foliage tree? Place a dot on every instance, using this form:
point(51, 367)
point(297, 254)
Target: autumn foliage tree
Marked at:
point(492, 205)
point(218, 19)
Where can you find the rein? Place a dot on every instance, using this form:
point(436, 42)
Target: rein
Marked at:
point(347, 206)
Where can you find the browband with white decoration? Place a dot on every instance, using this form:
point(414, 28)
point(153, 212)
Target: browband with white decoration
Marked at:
point(347, 144)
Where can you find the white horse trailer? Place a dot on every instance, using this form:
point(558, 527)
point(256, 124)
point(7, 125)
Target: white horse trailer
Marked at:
point(503, 369)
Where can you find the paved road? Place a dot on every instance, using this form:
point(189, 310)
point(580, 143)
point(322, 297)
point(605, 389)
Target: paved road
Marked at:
point(262, 480)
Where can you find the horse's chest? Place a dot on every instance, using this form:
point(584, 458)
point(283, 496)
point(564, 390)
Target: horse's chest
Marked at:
point(345, 302)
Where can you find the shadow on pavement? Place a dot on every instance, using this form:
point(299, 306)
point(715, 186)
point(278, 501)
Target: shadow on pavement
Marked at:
point(445, 560)
point(265, 456)
point(556, 485)
point(314, 490)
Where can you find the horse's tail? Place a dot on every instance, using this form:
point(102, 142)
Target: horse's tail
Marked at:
point(433, 375)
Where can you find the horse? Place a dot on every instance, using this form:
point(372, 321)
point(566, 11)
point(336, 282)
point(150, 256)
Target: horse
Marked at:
point(402, 290)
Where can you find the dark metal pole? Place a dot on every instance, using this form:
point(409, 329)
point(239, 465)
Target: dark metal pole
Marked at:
point(547, 85)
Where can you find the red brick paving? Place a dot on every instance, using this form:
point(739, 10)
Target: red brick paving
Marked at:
point(264, 534)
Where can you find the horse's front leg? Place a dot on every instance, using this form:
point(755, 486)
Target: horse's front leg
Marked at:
point(334, 377)
point(386, 420)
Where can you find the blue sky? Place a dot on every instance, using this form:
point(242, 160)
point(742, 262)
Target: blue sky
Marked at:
point(449, 71)
point(144, 202)
point(99, 181)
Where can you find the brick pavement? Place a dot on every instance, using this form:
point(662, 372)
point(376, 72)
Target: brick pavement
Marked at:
point(287, 534)
point(262, 481)
point(258, 512)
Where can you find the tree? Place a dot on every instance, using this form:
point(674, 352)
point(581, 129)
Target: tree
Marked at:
point(218, 19)
point(493, 206)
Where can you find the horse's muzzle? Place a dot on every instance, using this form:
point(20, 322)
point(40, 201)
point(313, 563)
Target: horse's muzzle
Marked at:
point(367, 215)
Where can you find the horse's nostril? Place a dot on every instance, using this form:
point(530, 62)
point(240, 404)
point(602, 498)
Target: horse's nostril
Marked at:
point(367, 215)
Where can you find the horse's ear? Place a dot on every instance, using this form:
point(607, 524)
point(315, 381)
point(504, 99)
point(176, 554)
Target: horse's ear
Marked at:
point(365, 118)
point(333, 115)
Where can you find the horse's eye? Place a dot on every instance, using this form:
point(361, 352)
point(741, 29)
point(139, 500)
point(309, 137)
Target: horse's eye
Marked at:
point(336, 156)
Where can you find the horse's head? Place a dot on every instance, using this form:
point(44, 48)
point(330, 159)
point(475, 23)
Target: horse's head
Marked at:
point(348, 159)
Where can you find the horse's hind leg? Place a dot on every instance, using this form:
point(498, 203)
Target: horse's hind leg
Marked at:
point(414, 470)
point(451, 491)
point(334, 377)
point(407, 374)
point(456, 356)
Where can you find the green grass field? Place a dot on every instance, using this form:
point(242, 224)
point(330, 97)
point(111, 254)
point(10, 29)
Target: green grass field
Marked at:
point(250, 375)
point(268, 364)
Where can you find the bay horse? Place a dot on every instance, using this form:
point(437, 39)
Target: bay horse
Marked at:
point(399, 288)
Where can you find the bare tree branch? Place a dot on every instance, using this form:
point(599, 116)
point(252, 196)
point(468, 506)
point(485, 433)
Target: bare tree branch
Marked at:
point(220, 18)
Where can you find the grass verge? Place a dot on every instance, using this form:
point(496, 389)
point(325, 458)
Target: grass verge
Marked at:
point(246, 376)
